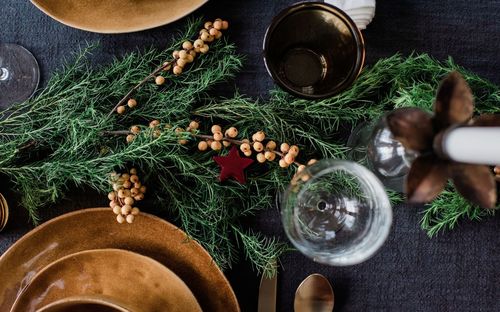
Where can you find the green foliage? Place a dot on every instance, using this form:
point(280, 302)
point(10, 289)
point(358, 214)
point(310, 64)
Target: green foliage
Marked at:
point(55, 141)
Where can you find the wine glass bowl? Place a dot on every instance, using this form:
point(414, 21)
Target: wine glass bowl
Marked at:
point(19, 74)
point(336, 212)
point(373, 144)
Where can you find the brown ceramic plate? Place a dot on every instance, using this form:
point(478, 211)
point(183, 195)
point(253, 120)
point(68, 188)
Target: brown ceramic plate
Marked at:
point(97, 229)
point(139, 282)
point(117, 16)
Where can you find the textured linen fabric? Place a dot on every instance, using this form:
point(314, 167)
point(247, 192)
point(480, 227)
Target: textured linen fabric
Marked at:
point(456, 271)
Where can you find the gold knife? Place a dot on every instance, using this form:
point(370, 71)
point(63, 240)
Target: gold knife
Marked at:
point(267, 294)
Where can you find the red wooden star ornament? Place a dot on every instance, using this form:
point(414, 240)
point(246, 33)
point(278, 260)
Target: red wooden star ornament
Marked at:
point(232, 165)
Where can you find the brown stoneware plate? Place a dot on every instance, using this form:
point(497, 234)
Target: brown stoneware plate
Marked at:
point(139, 282)
point(117, 16)
point(97, 229)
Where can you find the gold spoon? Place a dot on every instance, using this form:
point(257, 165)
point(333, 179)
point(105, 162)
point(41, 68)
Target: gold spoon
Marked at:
point(4, 212)
point(314, 294)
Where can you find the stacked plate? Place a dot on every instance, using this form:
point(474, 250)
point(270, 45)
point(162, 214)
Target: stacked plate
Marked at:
point(86, 261)
point(361, 11)
point(4, 212)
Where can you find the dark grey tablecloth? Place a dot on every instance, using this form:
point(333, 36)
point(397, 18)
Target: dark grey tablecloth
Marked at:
point(457, 271)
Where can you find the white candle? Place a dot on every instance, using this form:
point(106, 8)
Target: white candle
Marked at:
point(474, 145)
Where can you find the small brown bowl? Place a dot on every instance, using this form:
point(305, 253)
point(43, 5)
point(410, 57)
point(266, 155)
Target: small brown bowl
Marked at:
point(138, 282)
point(313, 50)
point(84, 304)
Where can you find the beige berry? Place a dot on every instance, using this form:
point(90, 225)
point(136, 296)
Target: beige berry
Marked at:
point(209, 39)
point(294, 150)
point(135, 211)
point(284, 147)
point(208, 25)
point(143, 189)
point(183, 142)
point(177, 70)
point(232, 132)
point(120, 218)
point(156, 133)
point(133, 171)
point(245, 141)
point(167, 66)
point(120, 109)
point(204, 36)
point(283, 163)
point(137, 185)
point(113, 203)
point(187, 45)
point(245, 147)
point(125, 176)
point(181, 62)
point(183, 54)
point(192, 53)
point(139, 197)
point(117, 209)
point(226, 143)
point(130, 218)
point(270, 155)
point(154, 123)
point(271, 145)
point(126, 209)
point(217, 25)
point(128, 200)
point(213, 32)
point(305, 177)
point(218, 136)
point(131, 103)
point(189, 58)
point(258, 147)
point(175, 54)
point(216, 128)
point(261, 157)
point(127, 184)
point(248, 153)
point(135, 129)
point(225, 25)
point(112, 196)
point(134, 191)
point(204, 49)
point(202, 146)
point(199, 42)
point(218, 35)
point(159, 80)
point(130, 138)
point(216, 145)
point(289, 158)
point(194, 125)
point(301, 168)
point(134, 178)
point(259, 136)
point(311, 162)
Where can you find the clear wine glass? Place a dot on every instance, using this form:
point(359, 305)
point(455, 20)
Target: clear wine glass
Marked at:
point(373, 144)
point(336, 212)
point(19, 74)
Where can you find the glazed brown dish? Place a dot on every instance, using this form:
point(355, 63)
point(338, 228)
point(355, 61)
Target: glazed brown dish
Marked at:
point(117, 16)
point(139, 282)
point(97, 229)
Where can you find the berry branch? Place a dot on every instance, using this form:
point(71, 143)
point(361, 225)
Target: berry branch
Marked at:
point(180, 59)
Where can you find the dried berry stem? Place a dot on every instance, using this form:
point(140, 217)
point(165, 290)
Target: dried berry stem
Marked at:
point(116, 132)
point(137, 86)
point(238, 142)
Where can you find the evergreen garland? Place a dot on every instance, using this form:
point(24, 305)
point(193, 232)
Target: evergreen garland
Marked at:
point(56, 140)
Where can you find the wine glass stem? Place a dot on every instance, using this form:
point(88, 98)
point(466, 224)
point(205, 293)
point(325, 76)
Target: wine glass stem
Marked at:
point(4, 73)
